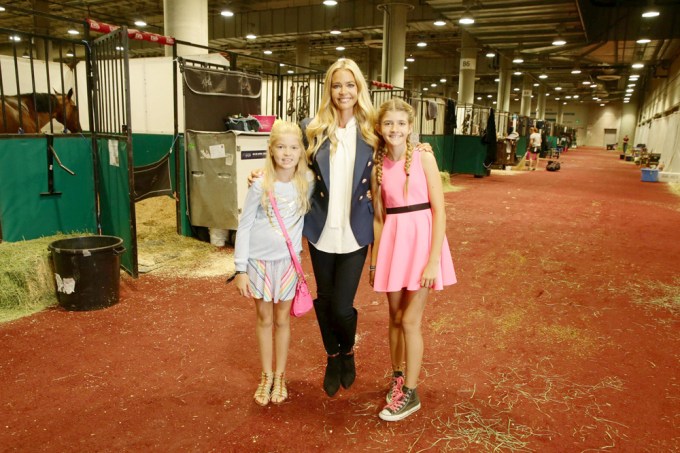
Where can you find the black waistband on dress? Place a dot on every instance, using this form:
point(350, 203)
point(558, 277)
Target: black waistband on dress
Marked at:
point(409, 208)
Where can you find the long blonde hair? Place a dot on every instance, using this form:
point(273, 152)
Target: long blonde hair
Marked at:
point(299, 179)
point(325, 123)
point(392, 105)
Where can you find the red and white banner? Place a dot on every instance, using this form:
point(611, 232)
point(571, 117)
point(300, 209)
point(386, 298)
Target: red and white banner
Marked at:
point(102, 27)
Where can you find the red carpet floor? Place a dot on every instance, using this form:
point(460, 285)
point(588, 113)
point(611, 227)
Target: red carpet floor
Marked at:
point(561, 335)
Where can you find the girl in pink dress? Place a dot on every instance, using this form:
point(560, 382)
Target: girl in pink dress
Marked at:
point(410, 255)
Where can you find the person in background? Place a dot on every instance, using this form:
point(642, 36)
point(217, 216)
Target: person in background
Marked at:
point(534, 148)
point(625, 143)
point(411, 255)
point(264, 267)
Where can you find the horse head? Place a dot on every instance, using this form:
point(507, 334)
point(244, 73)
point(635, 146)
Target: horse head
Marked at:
point(66, 111)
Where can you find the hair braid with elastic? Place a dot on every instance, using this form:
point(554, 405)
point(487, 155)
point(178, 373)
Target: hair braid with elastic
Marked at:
point(407, 167)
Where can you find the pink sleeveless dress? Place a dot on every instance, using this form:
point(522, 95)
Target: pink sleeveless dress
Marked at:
point(405, 242)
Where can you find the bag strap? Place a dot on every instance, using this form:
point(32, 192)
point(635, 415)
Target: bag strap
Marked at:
point(293, 255)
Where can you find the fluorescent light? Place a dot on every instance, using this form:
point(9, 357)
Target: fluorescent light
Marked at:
point(73, 31)
point(466, 19)
point(543, 76)
point(426, 89)
point(479, 98)
point(576, 96)
point(559, 41)
point(490, 54)
point(442, 80)
point(410, 59)
point(637, 65)
point(576, 71)
point(518, 59)
point(515, 89)
point(630, 90)
point(335, 31)
point(488, 95)
point(70, 53)
point(537, 84)
point(440, 23)
point(140, 23)
point(496, 80)
point(558, 88)
point(340, 48)
point(517, 73)
point(267, 52)
point(650, 13)
point(585, 82)
point(290, 71)
point(330, 2)
point(251, 36)
point(15, 38)
point(422, 44)
point(433, 85)
point(643, 41)
point(227, 13)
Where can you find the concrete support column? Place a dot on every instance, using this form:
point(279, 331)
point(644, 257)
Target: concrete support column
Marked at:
point(42, 27)
point(525, 104)
point(503, 97)
point(468, 67)
point(395, 15)
point(302, 52)
point(186, 20)
point(560, 112)
point(374, 56)
point(540, 105)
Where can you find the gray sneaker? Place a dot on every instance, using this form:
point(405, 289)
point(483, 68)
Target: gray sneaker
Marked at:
point(404, 403)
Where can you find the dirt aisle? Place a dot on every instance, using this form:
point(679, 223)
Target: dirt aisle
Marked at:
point(561, 335)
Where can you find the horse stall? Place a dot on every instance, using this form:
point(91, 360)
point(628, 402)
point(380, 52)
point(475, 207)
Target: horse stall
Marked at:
point(46, 163)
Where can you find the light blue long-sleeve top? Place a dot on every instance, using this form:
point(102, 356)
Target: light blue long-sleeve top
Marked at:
point(258, 235)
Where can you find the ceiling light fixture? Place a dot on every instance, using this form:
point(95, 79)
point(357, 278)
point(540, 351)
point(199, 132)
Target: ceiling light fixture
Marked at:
point(433, 85)
point(70, 53)
point(585, 82)
point(25, 55)
point(517, 73)
point(439, 23)
point(576, 71)
point(543, 76)
point(422, 44)
point(267, 52)
point(330, 2)
point(335, 31)
point(637, 66)
point(518, 59)
point(650, 11)
point(410, 59)
point(537, 84)
point(426, 89)
point(490, 54)
point(643, 41)
point(442, 80)
point(558, 88)
point(227, 13)
point(15, 38)
point(466, 18)
point(140, 23)
point(251, 36)
point(340, 48)
point(73, 31)
point(559, 41)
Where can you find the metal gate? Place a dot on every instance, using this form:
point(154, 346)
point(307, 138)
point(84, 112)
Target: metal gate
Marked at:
point(112, 142)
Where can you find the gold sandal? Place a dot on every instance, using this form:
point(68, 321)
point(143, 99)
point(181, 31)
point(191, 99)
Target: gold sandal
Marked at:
point(279, 392)
point(263, 392)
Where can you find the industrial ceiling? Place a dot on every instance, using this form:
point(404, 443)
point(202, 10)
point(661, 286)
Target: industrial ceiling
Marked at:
point(601, 35)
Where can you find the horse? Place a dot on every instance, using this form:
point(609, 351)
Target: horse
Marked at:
point(36, 110)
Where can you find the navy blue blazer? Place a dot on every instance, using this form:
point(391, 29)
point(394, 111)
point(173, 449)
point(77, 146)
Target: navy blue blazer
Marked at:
point(361, 210)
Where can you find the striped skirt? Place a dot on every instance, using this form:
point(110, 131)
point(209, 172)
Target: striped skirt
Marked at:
point(272, 280)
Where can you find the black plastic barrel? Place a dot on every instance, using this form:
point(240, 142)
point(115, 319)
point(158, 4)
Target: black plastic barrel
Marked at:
point(87, 271)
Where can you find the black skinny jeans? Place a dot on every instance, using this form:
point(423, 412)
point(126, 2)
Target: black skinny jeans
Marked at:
point(337, 278)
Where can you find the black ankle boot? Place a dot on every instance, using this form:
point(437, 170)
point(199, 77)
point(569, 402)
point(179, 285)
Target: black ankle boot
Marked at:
point(348, 371)
point(331, 380)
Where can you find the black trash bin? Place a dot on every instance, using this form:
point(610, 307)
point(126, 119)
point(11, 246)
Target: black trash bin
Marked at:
point(87, 271)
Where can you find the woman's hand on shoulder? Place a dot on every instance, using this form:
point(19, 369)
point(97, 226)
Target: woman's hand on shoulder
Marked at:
point(424, 147)
point(255, 174)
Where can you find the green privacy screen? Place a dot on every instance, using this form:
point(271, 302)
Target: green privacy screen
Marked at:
point(458, 153)
point(24, 212)
point(114, 197)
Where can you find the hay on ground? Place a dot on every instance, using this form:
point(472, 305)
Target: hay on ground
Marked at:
point(164, 252)
point(26, 279)
point(446, 183)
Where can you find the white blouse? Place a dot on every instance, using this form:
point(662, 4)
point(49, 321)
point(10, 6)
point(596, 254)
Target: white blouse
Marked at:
point(337, 235)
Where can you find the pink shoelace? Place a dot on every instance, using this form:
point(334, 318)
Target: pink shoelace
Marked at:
point(397, 396)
